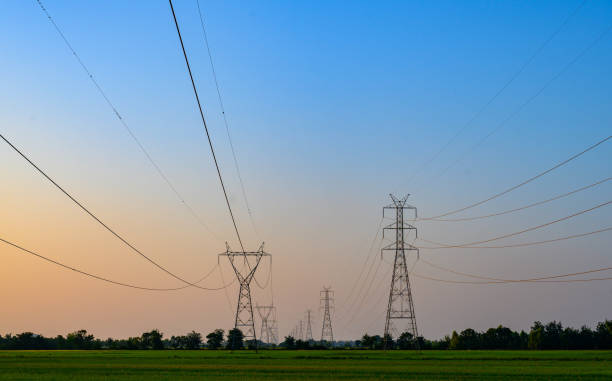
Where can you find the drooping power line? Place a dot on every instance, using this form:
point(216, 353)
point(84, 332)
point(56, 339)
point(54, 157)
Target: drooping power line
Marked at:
point(229, 136)
point(505, 282)
point(600, 269)
point(443, 245)
point(367, 259)
point(591, 147)
point(93, 80)
point(525, 103)
point(519, 208)
point(500, 91)
point(92, 215)
point(110, 280)
point(513, 245)
point(212, 150)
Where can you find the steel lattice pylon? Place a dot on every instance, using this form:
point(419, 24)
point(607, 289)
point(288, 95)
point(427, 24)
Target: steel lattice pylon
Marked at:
point(244, 311)
point(327, 296)
point(308, 326)
point(400, 307)
point(300, 335)
point(268, 324)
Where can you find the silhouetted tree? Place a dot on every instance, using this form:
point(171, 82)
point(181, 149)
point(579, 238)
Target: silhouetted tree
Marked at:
point(152, 340)
point(80, 340)
point(387, 342)
point(551, 336)
point(235, 339)
point(500, 338)
point(603, 335)
point(193, 340)
point(405, 341)
point(132, 343)
point(454, 341)
point(469, 339)
point(535, 336)
point(214, 339)
point(289, 342)
point(586, 338)
point(367, 341)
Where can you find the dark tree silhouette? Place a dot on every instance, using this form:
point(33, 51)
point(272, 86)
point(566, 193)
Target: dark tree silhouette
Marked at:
point(152, 340)
point(214, 339)
point(289, 342)
point(235, 339)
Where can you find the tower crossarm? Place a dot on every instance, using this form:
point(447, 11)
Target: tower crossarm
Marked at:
point(244, 319)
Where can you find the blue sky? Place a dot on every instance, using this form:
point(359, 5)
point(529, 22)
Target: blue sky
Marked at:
point(332, 105)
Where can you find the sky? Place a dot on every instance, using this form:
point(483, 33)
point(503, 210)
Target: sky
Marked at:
point(331, 106)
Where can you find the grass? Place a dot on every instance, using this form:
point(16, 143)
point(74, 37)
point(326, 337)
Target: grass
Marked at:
point(303, 365)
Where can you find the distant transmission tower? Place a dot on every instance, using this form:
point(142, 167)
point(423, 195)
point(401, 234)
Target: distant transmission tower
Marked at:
point(273, 324)
point(268, 322)
point(244, 311)
point(301, 330)
point(400, 310)
point(327, 296)
point(308, 326)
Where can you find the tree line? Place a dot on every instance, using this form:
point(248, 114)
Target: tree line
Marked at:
point(541, 336)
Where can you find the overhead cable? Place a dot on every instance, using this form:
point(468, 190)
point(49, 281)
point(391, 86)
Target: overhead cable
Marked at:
point(229, 136)
point(513, 245)
point(212, 150)
point(157, 168)
point(517, 209)
point(526, 102)
point(113, 281)
point(443, 245)
point(600, 269)
point(589, 148)
point(505, 282)
point(367, 259)
point(92, 215)
point(501, 90)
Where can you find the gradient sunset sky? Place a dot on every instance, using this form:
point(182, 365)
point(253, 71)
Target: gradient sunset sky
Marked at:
point(332, 106)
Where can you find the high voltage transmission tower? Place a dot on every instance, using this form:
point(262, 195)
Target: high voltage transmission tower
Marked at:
point(301, 330)
point(400, 308)
point(327, 299)
point(244, 311)
point(273, 324)
point(268, 324)
point(308, 326)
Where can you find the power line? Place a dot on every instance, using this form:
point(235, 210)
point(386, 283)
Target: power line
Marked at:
point(158, 169)
point(367, 259)
point(110, 280)
point(80, 205)
point(382, 298)
point(514, 245)
point(442, 245)
point(366, 294)
point(363, 286)
point(229, 303)
point(526, 181)
point(500, 282)
point(501, 90)
point(517, 280)
point(520, 208)
point(527, 102)
point(268, 278)
point(212, 150)
point(229, 136)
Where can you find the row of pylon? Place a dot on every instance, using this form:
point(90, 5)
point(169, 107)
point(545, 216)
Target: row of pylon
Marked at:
point(400, 307)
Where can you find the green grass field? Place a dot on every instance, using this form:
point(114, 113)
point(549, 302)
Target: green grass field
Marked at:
point(302, 365)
